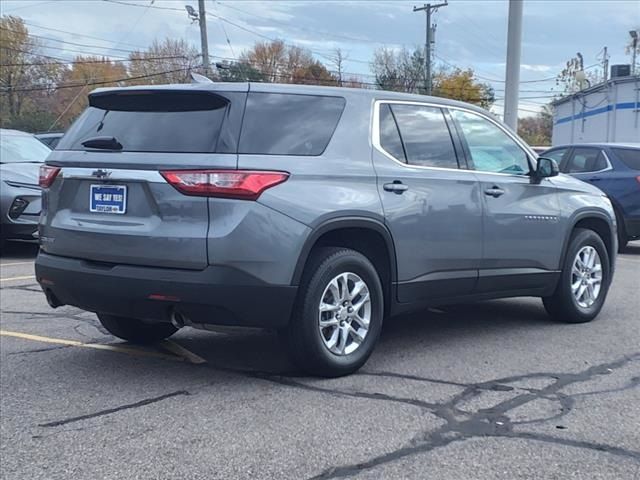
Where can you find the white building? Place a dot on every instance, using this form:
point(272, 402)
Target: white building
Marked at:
point(608, 112)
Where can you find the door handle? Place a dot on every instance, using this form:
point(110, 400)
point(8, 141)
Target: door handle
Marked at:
point(494, 192)
point(396, 187)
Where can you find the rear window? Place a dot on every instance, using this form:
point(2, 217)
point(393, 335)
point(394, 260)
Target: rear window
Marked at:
point(629, 156)
point(286, 124)
point(152, 122)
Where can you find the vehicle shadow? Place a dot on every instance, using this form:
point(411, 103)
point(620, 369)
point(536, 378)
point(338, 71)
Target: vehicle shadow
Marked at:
point(632, 248)
point(19, 250)
point(263, 352)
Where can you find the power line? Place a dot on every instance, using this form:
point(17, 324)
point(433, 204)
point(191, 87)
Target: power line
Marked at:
point(300, 28)
point(79, 34)
point(69, 43)
point(30, 5)
point(82, 62)
point(224, 31)
point(104, 82)
point(135, 24)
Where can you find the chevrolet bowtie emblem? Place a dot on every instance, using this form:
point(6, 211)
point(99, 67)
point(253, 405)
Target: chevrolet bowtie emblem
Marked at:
point(101, 173)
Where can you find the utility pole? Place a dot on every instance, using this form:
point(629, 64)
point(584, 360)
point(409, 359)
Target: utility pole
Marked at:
point(605, 64)
point(512, 80)
point(204, 44)
point(634, 50)
point(428, 9)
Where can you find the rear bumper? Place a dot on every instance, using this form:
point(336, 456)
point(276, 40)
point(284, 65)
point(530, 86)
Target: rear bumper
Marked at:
point(22, 230)
point(216, 295)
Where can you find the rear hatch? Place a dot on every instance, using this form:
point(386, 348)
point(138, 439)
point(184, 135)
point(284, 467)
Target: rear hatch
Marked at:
point(109, 202)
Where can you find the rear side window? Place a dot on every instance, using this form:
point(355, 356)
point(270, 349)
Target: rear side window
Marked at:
point(630, 157)
point(153, 122)
point(586, 160)
point(389, 135)
point(286, 124)
point(425, 136)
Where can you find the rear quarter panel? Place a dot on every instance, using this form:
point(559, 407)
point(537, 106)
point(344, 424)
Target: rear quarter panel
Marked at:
point(341, 182)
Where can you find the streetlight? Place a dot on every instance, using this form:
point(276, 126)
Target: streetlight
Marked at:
point(193, 15)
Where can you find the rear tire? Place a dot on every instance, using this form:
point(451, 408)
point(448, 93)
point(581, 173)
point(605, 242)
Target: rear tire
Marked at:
point(134, 330)
point(566, 304)
point(338, 314)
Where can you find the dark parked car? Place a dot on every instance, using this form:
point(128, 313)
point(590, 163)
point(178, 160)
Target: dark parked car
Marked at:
point(316, 211)
point(20, 158)
point(50, 139)
point(615, 169)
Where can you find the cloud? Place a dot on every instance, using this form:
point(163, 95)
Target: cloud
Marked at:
point(536, 68)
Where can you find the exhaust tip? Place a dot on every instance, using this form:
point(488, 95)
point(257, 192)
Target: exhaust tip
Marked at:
point(177, 319)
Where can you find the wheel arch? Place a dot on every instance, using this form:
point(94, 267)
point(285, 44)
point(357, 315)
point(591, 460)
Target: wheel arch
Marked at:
point(600, 223)
point(355, 233)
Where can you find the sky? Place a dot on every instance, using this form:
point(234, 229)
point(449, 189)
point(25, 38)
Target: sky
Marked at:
point(469, 33)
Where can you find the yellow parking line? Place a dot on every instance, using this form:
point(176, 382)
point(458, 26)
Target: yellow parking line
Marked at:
point(182, 352)
point(97, 346)
point(15, 263)
point(9, 279)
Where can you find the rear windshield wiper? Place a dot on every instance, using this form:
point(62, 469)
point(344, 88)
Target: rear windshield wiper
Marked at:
point(103, 143)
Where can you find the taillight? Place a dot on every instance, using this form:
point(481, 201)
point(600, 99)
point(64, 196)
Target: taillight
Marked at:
point(47, 175)
point(242, 184)
point(638, 178)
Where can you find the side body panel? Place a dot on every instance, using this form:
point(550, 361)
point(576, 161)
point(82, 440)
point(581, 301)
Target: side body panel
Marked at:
point(522, 233)
point(436, 225)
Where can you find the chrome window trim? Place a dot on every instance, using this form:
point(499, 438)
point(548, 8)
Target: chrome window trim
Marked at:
point(609, 167)
point(118, 174)
point(375, 136)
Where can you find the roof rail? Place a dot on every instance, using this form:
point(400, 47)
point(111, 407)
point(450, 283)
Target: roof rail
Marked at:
point(197, 78)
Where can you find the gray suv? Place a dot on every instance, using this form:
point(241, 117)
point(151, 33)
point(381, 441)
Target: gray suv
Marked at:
point(315, 211)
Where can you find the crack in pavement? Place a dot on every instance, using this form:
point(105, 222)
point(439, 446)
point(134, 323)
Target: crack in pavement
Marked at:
point(486, 422)
point(460, 425)
point(39, 350)
point(109, 411)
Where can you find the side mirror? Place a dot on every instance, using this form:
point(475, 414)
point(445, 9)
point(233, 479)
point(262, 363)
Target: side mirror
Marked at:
point(547, 167)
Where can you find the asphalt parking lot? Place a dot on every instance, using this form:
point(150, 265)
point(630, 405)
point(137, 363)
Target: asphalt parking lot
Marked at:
point(491, 390)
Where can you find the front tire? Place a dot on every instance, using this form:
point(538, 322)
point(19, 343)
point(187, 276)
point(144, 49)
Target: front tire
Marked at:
point(134, 330)
point(338, 314)
point(584, 280)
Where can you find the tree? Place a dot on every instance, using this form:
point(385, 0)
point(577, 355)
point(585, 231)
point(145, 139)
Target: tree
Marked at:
point(238, 72)
point(314, 73)
point(401, 71)
point(168, 61)
point(461, 85)
point(86, 74)
point(338, 58)
point(27, 79)
point(281, 63)
point(573, 77)
point(269, 58)
point(537, 130)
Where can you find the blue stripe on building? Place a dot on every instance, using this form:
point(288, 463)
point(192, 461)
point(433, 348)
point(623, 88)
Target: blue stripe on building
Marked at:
point(597, 111)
